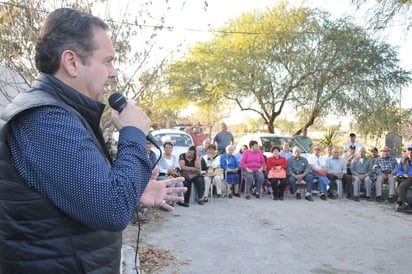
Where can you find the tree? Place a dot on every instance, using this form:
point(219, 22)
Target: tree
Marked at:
point(384, 12)
point(297, 57)
point(20, 22)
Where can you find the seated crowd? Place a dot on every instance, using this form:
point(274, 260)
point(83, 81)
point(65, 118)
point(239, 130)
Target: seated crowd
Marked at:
point(249, 171)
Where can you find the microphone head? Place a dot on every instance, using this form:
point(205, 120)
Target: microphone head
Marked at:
point(117, 101)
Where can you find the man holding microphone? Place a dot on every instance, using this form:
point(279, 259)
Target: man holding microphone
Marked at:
point(63, 202)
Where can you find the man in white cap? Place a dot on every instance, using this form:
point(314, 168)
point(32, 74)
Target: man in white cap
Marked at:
point(386, 169)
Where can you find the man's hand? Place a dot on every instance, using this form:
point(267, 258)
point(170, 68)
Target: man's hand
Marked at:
point(131, 115)
point(157, 192)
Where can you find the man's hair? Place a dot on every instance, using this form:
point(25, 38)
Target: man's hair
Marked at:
point(66, 29)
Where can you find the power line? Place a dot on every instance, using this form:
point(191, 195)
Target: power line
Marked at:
point(219, 31)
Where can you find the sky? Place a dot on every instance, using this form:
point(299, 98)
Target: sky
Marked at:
point(190, 24)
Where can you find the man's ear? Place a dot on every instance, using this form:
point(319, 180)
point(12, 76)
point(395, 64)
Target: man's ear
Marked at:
point(70, 63)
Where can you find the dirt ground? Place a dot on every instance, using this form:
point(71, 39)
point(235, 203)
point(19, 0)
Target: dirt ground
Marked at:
point(265, 236)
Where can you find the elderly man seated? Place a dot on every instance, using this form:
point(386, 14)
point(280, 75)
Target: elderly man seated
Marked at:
point(298, 171)
point(361, 171)
point(318, 165)
point(336, 166)
point(386, 169)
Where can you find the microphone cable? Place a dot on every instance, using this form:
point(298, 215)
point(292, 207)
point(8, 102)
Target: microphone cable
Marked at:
point(118, 102)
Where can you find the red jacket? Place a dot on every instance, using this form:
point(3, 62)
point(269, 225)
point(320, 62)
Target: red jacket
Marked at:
point(273, 162)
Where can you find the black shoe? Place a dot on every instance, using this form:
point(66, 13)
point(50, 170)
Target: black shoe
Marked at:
point(404, 206)
point(356, 199)
point(219, 196)
point(349, 197)
point(236, 195)
point(205, 200)
point(183, 204)
point(323, 197)
point(391, 199)
point(309, 198)
point(379, 199)
point(257, 195)
point(298, 196)
point(200, 202)
point(230, 196)
point(280, 198)
point(368, 198)
point(247, 197)
point(275, 198)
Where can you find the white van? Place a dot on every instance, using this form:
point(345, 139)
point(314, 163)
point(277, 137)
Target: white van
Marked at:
point(267, 140)
point(181, 140)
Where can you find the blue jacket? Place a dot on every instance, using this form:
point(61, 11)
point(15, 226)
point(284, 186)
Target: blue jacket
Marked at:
point(405, 166)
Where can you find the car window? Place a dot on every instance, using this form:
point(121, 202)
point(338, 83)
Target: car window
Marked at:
point(175, 138)
point(269, 141)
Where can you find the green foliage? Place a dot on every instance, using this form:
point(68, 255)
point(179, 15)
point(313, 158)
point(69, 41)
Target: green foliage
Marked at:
point(382, 13)
point(297, 57)
point(329, 139)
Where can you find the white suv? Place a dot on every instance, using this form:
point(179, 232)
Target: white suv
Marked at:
point(267, 140)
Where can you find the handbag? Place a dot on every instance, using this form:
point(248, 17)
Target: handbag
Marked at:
point(277, 173)
point(190, 174)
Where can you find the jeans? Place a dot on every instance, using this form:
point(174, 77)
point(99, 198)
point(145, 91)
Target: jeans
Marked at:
point(323, 183)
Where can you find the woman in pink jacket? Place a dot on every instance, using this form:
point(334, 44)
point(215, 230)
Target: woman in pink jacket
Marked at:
point(253, 163)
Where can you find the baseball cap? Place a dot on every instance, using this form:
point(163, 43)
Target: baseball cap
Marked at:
point(374, 149)
point(409, 147)
point(384, 148)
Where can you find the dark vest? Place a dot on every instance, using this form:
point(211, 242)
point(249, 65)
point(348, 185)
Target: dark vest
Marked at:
point(35, 236)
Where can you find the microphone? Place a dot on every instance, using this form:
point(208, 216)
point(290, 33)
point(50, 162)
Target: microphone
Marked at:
point(118, 102)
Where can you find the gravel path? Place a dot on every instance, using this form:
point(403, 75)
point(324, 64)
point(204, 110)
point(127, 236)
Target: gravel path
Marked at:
point(291, 236)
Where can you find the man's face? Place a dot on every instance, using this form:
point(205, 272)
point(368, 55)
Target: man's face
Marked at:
point(335, 154)
point(206, 143)
point(223, 127)
point(296, 152)
point(196, 129)
point(304, 133)
point(316, 150)
point(94, 76)
point(409, 153)
point(362, 153)
point(286, 146)
point(384, 153)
